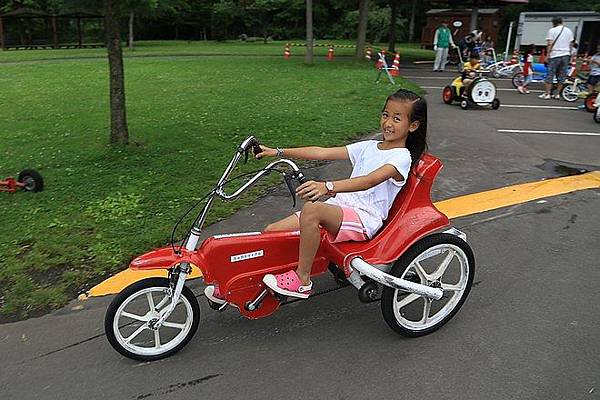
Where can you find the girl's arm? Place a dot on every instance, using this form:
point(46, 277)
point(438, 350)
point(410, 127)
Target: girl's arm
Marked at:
point(312, 190)
point(306, 153)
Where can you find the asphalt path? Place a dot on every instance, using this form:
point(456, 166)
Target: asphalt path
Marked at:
point(529, 329)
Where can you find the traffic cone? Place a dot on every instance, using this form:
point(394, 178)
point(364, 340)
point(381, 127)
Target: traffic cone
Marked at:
point(330, 55)
point(396, 66)
point(585, 64)
point(286, 52)
point(542, 57)
point(369, 53)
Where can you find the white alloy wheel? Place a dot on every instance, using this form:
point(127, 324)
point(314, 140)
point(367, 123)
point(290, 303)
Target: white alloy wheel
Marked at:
point(131, 318)
point(440, 260)
point(570, 92)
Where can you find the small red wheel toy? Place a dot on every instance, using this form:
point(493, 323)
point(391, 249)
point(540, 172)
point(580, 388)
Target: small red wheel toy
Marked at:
point(28, 180)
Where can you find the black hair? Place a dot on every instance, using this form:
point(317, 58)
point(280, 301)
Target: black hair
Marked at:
point(416, 142)
point(556, 21)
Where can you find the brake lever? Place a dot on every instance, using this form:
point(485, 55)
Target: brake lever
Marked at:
point(255, 145)
point(288, 181)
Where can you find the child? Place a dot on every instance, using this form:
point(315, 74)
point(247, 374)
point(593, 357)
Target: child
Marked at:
point(527, 70)
point(594, 77)
point(359, 204)
point(470, 69)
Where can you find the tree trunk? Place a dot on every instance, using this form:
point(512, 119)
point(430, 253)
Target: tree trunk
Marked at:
point(393, 19)
point(363, 15)
point(118, 119)
point(309, 33)
point(130, 41)
point(411, 24)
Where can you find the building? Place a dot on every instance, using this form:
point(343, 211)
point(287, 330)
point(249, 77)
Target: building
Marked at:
point(488, 19)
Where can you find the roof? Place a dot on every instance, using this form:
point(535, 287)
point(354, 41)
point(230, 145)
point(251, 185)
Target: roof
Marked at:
point(449, 11)
point(25, 12)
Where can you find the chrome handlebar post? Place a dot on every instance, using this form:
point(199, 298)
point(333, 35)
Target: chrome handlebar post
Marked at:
point(221, 193)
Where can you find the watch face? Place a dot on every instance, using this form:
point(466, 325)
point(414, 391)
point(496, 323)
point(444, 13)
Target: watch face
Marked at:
point(329, 186)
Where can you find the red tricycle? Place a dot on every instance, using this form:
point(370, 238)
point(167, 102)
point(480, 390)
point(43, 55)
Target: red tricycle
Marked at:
point(420, 269)
point(28, 180)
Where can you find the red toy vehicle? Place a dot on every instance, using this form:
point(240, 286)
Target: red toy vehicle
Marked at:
point(423, 272)
point(28, 179)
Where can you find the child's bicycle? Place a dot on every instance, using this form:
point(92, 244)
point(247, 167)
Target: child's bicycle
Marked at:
point(574, 86)
point(420, 269)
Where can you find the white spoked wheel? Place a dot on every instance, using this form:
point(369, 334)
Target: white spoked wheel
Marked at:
point(570, 92)
point(440, 260)
point(130, 321)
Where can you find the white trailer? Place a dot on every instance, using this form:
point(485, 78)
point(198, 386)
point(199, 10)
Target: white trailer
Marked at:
point(533, 27)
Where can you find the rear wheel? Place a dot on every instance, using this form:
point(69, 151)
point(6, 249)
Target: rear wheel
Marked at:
point(440, 260)
point(597, 115)
point(448, 95)
point(518, 79)
point(32, 180)
point(130, 320)
point(495, 104)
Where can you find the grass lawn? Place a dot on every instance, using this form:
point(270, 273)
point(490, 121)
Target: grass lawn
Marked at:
point(102, 205)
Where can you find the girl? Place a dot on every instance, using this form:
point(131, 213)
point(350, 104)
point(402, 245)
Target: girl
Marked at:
point(358, 205)
point(527, 70)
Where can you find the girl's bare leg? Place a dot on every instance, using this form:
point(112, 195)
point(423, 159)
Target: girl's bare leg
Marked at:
point(289, 223)
point(314, 215)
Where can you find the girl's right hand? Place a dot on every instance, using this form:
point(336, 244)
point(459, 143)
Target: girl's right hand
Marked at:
point(266, 152)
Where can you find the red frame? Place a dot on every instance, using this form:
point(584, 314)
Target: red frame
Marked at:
point(412, 217)
point(10, 184)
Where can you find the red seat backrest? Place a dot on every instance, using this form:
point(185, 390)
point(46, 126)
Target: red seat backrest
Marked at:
point(422, 173)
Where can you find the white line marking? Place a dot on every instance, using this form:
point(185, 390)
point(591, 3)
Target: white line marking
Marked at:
point(505, 90)
point(445, 77)
point(549, 132)
point(540, 107)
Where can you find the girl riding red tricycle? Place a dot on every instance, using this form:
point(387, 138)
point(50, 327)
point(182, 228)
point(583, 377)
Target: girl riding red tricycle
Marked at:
point(377, 231)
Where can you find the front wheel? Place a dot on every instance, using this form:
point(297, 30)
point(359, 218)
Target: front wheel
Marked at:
point(440, 260)
point(130, 320)
point(464, 104)
point(448, 95)
point(518, 79)
point(570, 92)
point(597, 115)
point(495, 104)
point(590, 102)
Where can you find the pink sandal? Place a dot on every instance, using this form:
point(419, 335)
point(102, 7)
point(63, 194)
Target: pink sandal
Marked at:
point(288, 284)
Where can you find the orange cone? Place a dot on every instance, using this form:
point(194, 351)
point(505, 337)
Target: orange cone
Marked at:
point(542, 57)
point(369, 53)
point(330, 55)
point(396, 66)
point(286, 52)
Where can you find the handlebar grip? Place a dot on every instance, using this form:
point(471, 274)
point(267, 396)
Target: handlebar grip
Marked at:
point(301, 178)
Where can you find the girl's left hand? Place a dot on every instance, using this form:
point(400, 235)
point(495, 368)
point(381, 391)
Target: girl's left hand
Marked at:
point(311, 190)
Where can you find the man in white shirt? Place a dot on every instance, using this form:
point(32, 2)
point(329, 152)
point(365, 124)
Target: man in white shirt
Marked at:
point(559, 41)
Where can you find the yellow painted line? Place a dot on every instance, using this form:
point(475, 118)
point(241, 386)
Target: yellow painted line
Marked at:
point(454, 208)
point(510, 195)
point(120, 281)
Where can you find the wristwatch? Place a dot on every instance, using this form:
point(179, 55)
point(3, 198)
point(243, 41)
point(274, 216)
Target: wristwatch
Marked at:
point(329, 186)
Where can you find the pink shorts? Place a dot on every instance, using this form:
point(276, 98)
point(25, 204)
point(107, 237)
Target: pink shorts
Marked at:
point(351, 229)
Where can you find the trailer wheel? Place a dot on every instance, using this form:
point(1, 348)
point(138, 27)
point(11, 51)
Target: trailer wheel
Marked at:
point(32, 179)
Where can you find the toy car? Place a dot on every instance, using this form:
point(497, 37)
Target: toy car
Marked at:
point(481, 92)
point(28, 180)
